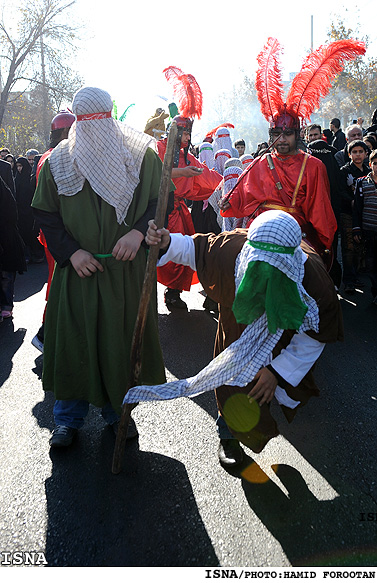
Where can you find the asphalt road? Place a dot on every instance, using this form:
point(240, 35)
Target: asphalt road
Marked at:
point(314, 504)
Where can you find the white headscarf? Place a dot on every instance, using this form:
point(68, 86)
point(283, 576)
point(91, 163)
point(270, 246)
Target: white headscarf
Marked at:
point(221, 157)
point(279, 228)
point(99, 149)
point(246, 159)
point(206, 155)
point(233, 162)
point(231, 176)
point(222, 140)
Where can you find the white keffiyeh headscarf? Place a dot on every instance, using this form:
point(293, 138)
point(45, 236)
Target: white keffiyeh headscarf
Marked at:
point(231, 176)
point(222, 140)
point(233, 162)
point(206, 155)
point(99, 149)
point(246, 159)
point(221, 157)
point(238, 364)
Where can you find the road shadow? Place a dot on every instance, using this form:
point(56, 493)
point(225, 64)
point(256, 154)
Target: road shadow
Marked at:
point(145, 516)
point(10, 341)
point(31, 282)
point(325, 489)
point(313, 532)
point(317, 507)
point(187, 340)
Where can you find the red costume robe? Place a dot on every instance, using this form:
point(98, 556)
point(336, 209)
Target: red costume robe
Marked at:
point(198, 187)
point(311, 207)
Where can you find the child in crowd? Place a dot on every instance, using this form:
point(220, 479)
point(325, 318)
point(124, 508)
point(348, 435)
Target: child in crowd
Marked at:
point(356, 168)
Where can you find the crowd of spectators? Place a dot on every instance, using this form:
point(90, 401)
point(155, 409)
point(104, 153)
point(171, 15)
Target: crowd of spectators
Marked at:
point(19, 243)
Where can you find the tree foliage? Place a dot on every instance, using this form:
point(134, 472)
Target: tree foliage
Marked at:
point(240, 106)
point(354, 91)
point(353, 95)
point(36, 45)
point(21, 132)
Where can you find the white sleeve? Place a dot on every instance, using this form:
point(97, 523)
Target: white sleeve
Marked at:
point(297, 358)
point(181, 250)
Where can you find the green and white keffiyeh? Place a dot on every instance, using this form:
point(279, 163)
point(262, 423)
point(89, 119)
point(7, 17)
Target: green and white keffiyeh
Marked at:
point(274, 240)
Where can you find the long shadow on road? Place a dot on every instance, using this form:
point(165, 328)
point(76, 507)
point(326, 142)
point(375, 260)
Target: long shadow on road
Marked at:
point(335, 435)
point(145, 516)
point(314, 532)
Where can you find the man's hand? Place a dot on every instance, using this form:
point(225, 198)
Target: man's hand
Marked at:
point(223, 204)
point(128, 245)
point(357, 238)
point(187, 171)
point(264, 388)
point(84, 263)
point(155, 236)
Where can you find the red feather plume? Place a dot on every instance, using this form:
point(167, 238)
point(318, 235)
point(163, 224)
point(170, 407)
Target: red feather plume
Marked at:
point(186, 91)
point(211, 133)
point(319, 69)
point(268, 83)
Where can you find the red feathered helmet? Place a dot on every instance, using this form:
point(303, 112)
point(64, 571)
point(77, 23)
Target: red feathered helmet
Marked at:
point(188, 94)
point(285, 122)
point(312, 83)
point(64, 119)
point(183, 122)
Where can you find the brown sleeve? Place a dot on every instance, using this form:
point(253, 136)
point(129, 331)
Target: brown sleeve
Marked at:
point(320, 287)
point(215, 262)
point(215, 257)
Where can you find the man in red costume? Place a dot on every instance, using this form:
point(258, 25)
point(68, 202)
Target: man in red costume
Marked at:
point(289, 180)
point(193, 181)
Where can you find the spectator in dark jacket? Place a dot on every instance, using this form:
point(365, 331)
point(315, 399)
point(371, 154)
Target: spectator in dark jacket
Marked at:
point(325, 152)
point(29, 230)
point(12, 258)
point(350, 173)
point(339, 139)
point(353, 132)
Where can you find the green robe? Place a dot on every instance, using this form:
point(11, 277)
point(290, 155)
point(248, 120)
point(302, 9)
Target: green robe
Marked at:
point(89, 322)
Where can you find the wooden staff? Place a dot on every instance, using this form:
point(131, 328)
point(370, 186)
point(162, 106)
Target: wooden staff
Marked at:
point(149, 281)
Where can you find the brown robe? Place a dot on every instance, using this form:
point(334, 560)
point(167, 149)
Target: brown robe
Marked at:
point(215, 261)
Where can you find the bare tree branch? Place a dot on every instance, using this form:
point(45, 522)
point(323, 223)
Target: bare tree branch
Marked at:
point(41, 25)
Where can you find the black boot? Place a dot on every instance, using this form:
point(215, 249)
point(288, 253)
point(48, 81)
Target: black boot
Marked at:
point(173, 299)
point(230, 453)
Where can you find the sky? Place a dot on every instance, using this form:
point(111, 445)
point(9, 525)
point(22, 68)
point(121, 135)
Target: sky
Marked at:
point(126, 45)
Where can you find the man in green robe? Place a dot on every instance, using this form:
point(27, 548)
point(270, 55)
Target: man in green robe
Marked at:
point(94, 198)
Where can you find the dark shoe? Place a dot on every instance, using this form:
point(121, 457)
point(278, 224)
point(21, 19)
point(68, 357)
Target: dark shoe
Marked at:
point(211, 306)
point(131, 429)
point(230, 453)
point(173, 299)
point(62, 436)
